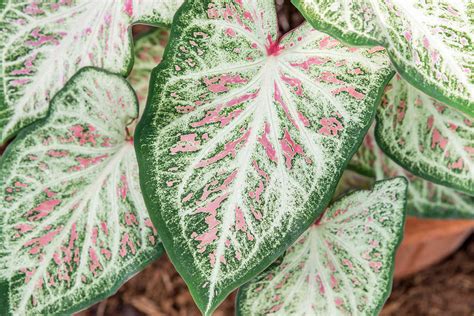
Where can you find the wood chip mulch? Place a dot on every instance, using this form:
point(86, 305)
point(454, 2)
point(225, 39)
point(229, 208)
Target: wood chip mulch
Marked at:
point(444, 289)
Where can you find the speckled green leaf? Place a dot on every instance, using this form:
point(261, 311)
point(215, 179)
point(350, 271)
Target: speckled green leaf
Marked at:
point(425, 198)
point(43, 43)
point(149, 49)
point(245, 136)
point(431, 43)
point(426, 137)
point(74, 225)
point(342, 265)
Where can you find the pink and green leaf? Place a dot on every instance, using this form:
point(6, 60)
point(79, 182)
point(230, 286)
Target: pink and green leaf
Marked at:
point(149, 49)
point(342, 265)
point(245, 136)
point(431, 43)
point(43, 43)
point(74, 225)
point(425, 198)
point(426, 137)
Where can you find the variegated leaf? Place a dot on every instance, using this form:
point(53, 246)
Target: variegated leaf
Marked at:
point(431, 43)
point(43, 43)
point(426, 137)
point(425, 198)
point(342, 265)
point(149, 49)
point(245, 137)
point(74, 225)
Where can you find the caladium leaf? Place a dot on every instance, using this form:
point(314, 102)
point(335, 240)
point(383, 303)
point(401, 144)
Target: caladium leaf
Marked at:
point(426, 137)
point(43, 43)
point(74, 225)
point(245, 136)
point(342, 265)
point(425, 198)
point(431, 43)
point(149, 49)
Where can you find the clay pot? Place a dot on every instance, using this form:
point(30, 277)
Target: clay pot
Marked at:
point(429, 241)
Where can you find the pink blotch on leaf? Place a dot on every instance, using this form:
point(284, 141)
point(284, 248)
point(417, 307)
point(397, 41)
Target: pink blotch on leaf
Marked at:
point(278, 98)
point(211, 209)
point(258, 191)
point(149, 224)
point(330, 77)
point(43, 209)
point(123, 189)
point(229, 149)
point(23, 228)
point(130, 219)
point(33, 9)
point(42, 241)
point(128, 7)
point(311, 61)
point(376, 49)
point(267, 145)
point(407, 35)
point(375, 265)
point(330, 126)
point(290, 149)
point(219, 84)
point(351, 90)
point(187, 143)
point(459, 164)
point(438, 139)
point(94, 264)
point(240, 223)
point(303, 119)
point(230, 32)
point(20, 82)
point(328, 42)
point(126, 241)
point(87, 162)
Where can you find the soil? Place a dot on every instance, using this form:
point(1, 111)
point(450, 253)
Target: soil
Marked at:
point(444, 289)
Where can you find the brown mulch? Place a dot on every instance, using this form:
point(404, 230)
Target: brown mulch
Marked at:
point(156, 291)
point(444, 289)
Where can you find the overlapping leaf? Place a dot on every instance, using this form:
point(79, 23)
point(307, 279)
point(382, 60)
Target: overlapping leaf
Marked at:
point(73, 225)
point(430, 42)
point(245, 137)
point(149, 49)
point(43, 43)
point(342, 265)
point(426, 137)
point(425, 198)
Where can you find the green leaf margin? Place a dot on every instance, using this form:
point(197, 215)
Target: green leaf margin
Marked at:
point(388, 289)
point(425, 210)
point(417, 172)
point(128, 66)
point(411, 77)
point(4, 283)
point(148, 189)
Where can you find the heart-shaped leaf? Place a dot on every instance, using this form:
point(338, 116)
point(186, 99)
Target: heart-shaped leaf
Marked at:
point(342, 265)
point(425, 198)
point(431, 43)
point(245, 136)
point(426, 137)
point(43, 43)
point(149, 49)
point(74, 225)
